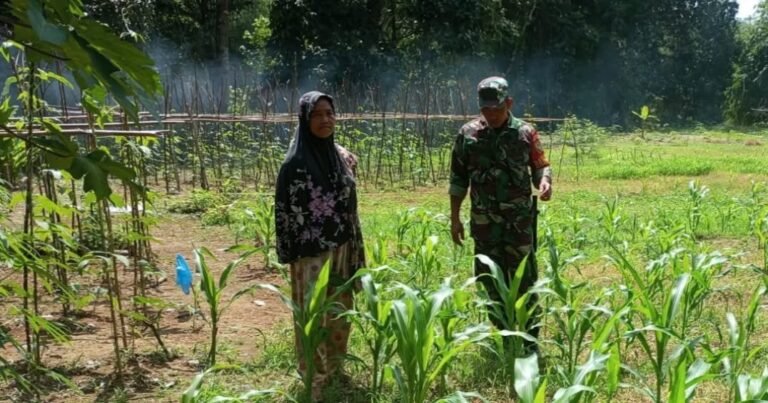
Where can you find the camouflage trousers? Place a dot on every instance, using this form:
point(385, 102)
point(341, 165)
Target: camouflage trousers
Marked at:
point(508, 258)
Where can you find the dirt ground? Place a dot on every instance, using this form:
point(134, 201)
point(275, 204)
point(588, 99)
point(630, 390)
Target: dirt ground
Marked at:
point(88, 359)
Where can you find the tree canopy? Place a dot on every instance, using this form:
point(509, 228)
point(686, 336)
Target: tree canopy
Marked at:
point(690, 61)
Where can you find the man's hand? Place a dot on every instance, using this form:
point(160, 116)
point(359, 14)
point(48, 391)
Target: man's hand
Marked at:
point(545, 189)
point(457, 231)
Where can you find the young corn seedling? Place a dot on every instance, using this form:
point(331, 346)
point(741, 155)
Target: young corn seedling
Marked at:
point(530, 388)
point(528, 384)
point(378, 251)
point(426, 262)
point(414, 323)
point(513, 313)
point(263, 217)
point(308, 318)
point(194, 392)
point(574, 318)
point(697, 193)
point(373, 319)
point(577, 225)
point(761, 231)
point(753, 389)
point(686, 375)
point(414, 227)
point(739, 351)
point(405, 222)
point(581, 385)
point(755, 205)
point(604, 356)
point(455, 313)
point(611, 220)
point(658, 240)
point(659, 319)
point(213, 292)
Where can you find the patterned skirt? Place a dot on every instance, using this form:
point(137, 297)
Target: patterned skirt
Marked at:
point(329, 356)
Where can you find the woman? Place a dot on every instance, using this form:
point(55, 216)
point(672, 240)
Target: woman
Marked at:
point(316, 220)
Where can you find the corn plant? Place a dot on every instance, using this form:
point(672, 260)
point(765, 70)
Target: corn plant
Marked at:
point(374, 320)
point(578, 225)
point(686, 375)
point(263, 219)
point(405, 221)
point(659, 239)
point(422, 358)
point(604, 356)
point(528, 384)
point(426, 261)
point(213, 292)
point(727, 214)
point(697, 194)
point(455, 313)
point(377, 251)
point(193, 392)
point(308, 318)
point(530, 388)
point(739, 352)
point(658, 319)
point(420, 224)
point(581, 384)
point(611, 220)
point(513, 313)
point(755, 205)
point(703, 268)
point(761, 231)
point(752, 389)
point(574, 317)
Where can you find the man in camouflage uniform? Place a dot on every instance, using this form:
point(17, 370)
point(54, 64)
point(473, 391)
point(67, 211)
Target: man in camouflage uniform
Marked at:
point(496, 158)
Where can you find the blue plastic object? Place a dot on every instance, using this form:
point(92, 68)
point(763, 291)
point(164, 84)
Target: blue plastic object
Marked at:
point(183, 274)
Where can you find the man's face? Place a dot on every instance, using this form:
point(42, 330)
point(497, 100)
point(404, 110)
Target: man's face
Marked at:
point(496, 117)
point(322, 120)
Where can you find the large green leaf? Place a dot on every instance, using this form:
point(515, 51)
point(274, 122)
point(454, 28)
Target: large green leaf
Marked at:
point(89, 50)
point(94, 178)
point(122, 54)
point(527, 377)
point(45, 30)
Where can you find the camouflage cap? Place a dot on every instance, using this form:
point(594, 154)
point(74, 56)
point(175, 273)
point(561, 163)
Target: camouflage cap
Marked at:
point(492, 92)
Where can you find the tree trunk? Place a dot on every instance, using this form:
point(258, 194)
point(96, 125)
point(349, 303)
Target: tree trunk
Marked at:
point(222, 39)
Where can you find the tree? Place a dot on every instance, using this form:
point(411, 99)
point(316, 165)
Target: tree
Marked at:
point(747, 97)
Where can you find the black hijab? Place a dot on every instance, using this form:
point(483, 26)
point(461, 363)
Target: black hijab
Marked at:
point(315, 198)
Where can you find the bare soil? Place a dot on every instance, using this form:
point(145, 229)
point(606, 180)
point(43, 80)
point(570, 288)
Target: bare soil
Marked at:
point(89, 359)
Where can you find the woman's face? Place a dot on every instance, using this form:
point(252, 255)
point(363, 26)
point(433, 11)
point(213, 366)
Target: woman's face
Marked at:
point(322, 120)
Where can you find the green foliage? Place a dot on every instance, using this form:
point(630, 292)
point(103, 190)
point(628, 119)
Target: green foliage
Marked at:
point(423, 355)
point(93, 168)
point(645, 118)
point(213, 291)
point(94, 55)
point(199, 201)
point(678, 167)
point(101, 65)
point(307, 320)
point(746, 101)
point(195, 394)
point(374, 320)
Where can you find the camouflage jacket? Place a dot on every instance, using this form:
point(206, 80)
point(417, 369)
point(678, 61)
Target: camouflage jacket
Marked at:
point(498, 166)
